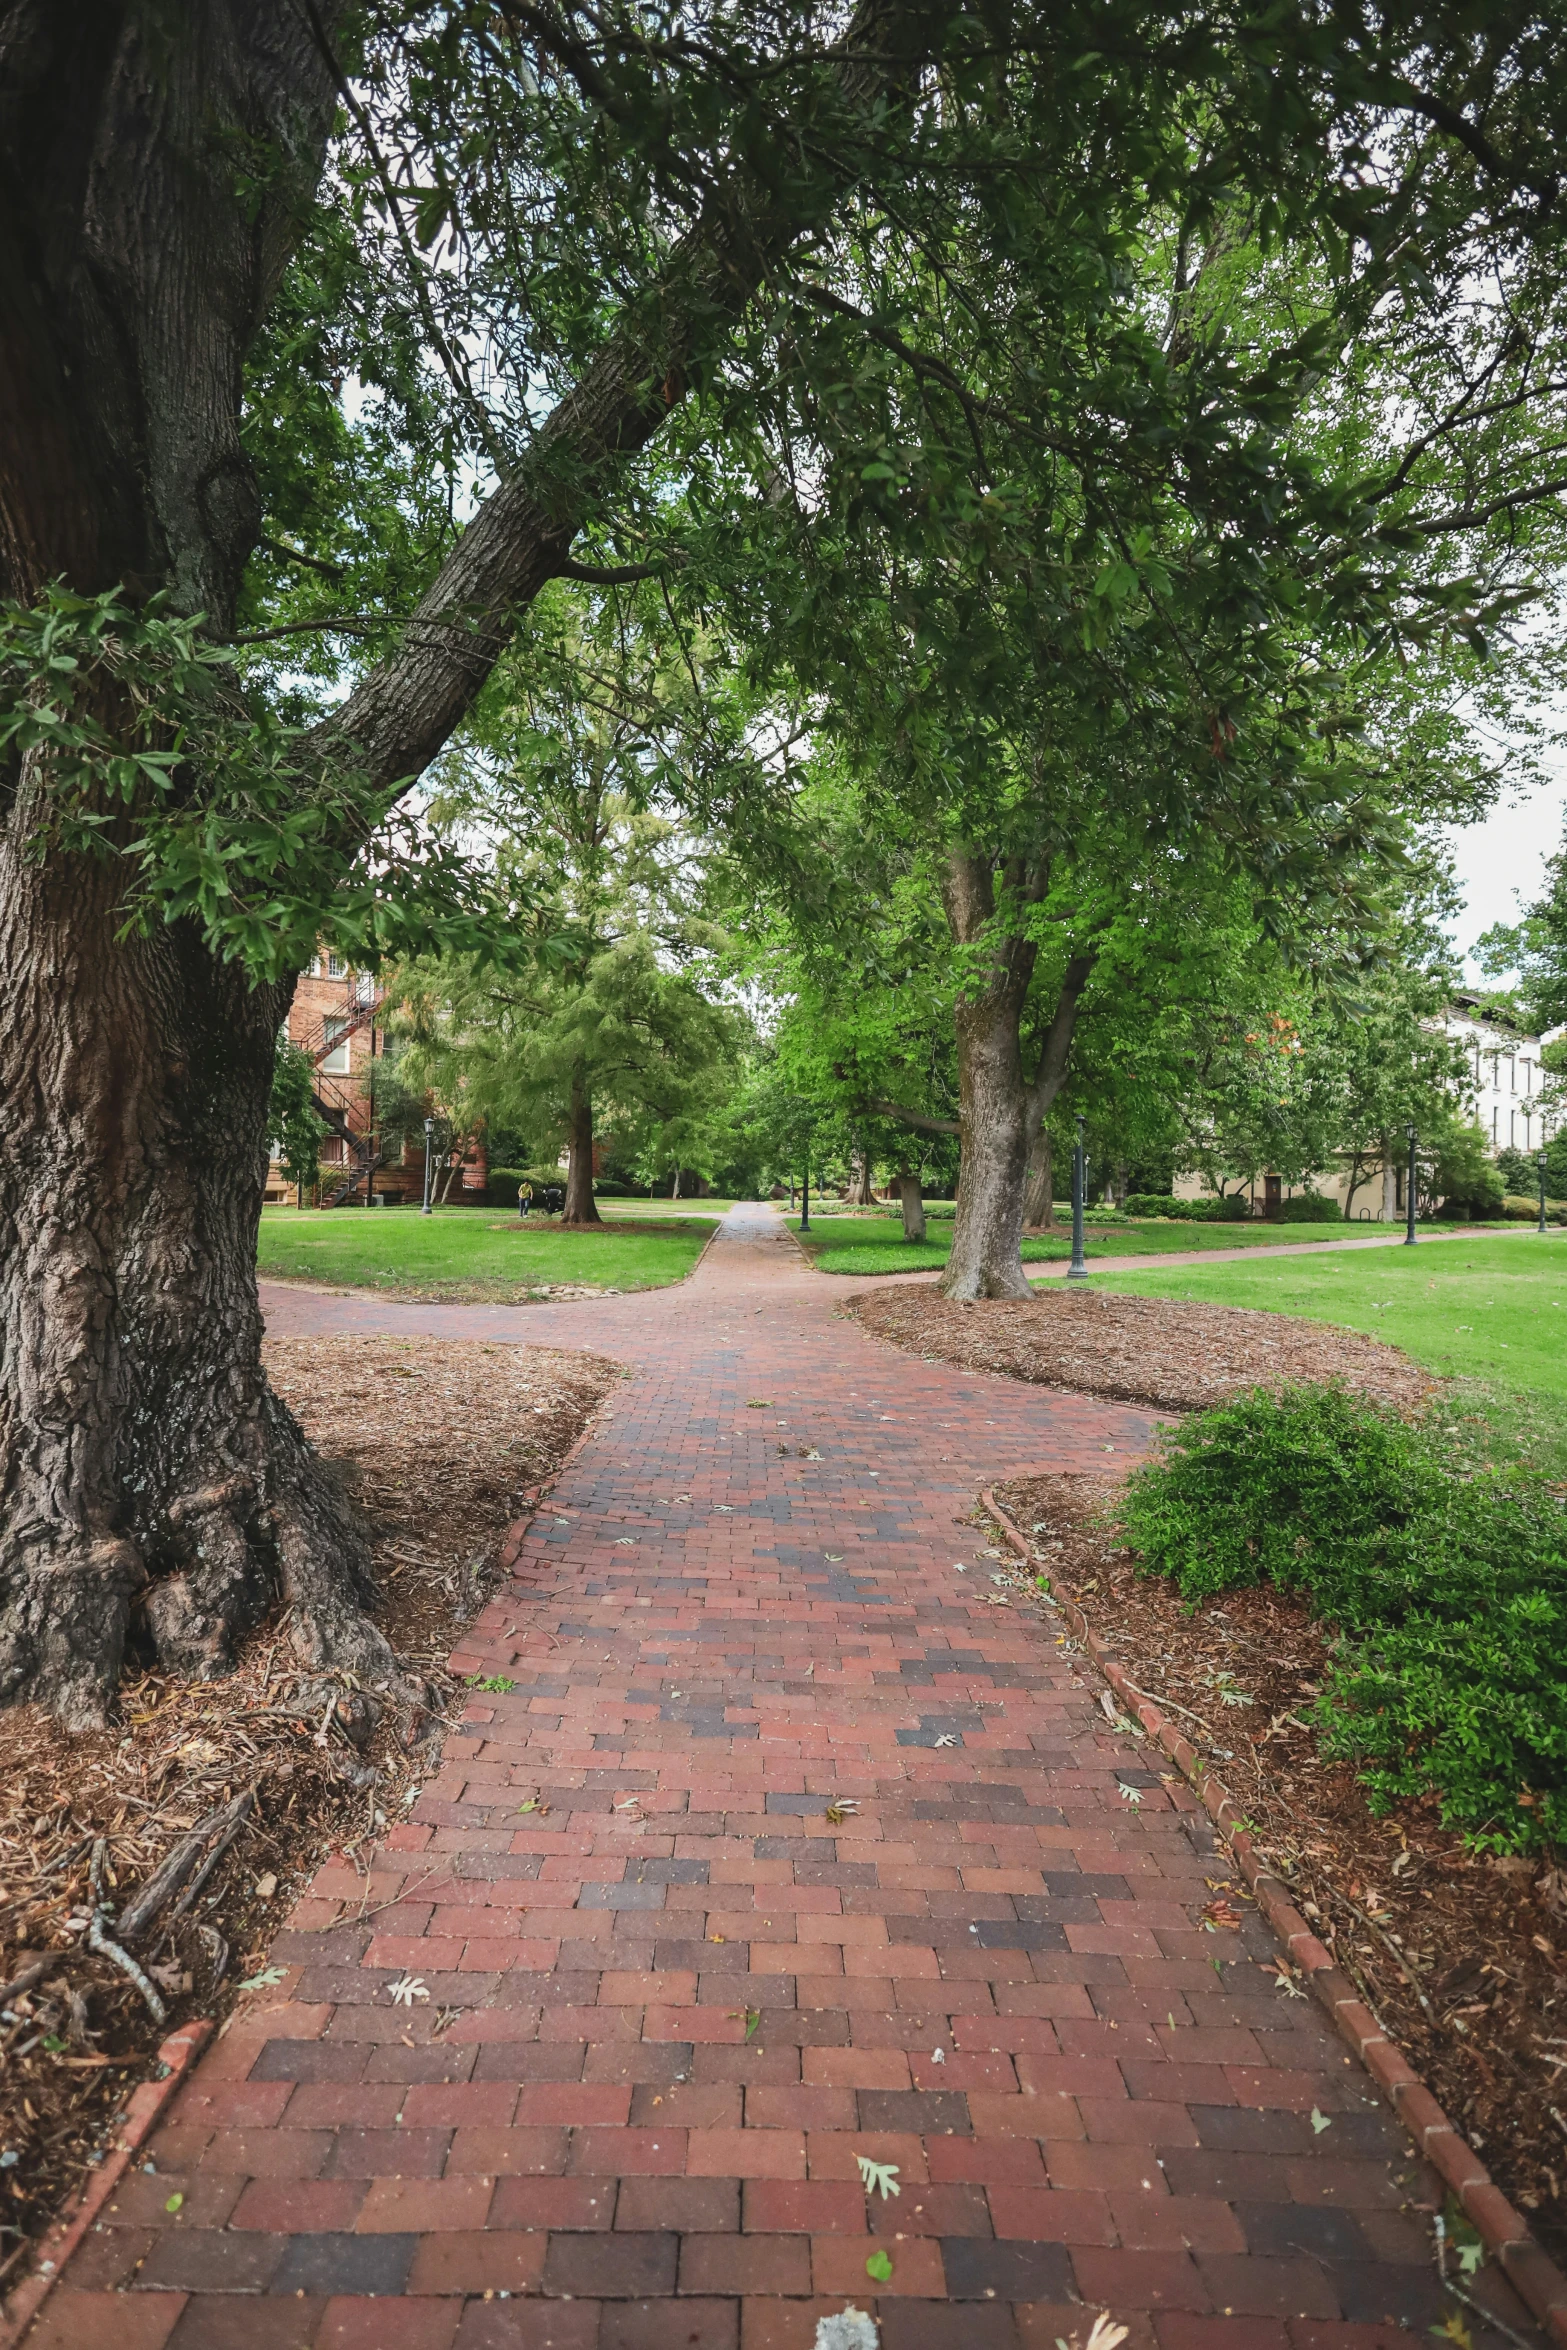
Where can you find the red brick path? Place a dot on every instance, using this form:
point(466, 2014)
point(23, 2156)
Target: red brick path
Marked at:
point(667, 2014)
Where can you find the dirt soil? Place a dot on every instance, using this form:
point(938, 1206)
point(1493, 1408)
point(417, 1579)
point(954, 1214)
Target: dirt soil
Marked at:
point(444, 1445)
point(1463, 1959)
point(1147, 1350)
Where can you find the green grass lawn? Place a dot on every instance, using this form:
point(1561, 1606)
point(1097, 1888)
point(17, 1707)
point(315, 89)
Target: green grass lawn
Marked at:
point(873, 1243)
point(1490, 1314)
point(477, 1254)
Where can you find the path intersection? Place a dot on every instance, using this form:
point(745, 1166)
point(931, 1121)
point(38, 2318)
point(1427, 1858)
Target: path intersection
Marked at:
point(787, 1846)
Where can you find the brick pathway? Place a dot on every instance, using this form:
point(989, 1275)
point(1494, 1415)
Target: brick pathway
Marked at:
point(667, 2014)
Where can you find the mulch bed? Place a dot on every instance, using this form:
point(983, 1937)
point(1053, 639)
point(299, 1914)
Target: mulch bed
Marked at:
point(1464, 1959)
point(441, 1444)
point(1147, 1350)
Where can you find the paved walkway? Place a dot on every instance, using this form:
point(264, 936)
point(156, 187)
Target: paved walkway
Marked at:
point(671, 2007)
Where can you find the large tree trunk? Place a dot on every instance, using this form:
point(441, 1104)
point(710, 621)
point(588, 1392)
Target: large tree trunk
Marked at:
point(581, 1206)
point(861, 1193)
point(1039, 1189)
point(152, 1489)
point(911, 1192)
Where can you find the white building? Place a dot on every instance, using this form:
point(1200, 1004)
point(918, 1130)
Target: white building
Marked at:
point(1507, 1076)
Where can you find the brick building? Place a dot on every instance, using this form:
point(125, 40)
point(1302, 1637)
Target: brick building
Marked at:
point(335, 1018)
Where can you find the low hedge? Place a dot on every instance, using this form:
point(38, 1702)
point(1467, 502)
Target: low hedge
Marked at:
point(1309, 1207)
point(1233, 1209)
point(1519, 1210)
point(1444, 1586)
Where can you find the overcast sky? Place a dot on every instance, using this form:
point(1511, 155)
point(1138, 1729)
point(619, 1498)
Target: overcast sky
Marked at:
point(1502, 861)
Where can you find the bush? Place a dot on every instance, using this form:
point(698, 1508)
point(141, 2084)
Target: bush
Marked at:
point(1445, 1588)
point(1234, 1208)
point(1309, 1207)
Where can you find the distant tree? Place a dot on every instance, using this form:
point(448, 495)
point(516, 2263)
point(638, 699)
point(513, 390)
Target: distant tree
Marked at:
point(295, 1127)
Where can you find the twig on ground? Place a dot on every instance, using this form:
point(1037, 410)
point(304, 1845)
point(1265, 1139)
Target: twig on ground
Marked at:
point(98, 1940)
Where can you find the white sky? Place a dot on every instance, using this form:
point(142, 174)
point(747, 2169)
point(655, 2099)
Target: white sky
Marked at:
point(1500, 863)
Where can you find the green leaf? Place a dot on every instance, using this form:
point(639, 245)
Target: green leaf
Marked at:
point(879, 2266)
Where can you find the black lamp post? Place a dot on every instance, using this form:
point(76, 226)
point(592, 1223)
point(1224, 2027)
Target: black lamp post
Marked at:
point(429, 1143)
point(1409, 1193)
point(805, 1186)
point(1540, 1165)
point(1077, 1270)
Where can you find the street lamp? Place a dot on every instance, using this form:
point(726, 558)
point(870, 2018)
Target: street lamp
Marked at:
point(1409, 1192)
point(1540, 1164)
point(429, 1145)
point(1077, 1270)
point(805, 1186)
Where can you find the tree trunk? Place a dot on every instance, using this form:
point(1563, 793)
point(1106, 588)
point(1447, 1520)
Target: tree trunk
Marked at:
point(152, 1488)
point(581, 1206)
point(675, 1190)
point(911, 1192)
point(860, 1193)
point(1039, 1190)
point(1389, 1181)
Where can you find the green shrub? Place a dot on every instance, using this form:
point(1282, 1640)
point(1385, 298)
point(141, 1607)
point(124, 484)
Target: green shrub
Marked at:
point(1186, 1211)
point(1444, 1585)
point(1309, 1207)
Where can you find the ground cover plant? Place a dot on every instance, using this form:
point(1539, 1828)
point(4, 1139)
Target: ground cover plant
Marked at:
point(1462, 1955)
point(1443, 1578)
point(1486, 1313)
point(871, 1244)
point(470, 1254)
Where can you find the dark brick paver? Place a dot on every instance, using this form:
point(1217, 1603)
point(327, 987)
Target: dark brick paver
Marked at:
point(666, 2015)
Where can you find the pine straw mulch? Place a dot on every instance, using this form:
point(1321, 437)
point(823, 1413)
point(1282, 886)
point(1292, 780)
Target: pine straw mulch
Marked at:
point(1147, 1350)
point(441, 1444)
point(1463, 1959)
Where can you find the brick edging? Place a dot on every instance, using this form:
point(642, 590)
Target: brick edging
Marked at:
point(146, 2107)
point(516, 1533)
point(1502, 2229)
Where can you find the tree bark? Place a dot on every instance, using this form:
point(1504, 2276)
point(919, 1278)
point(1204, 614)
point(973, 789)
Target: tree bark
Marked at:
point(860, 1193)
point(152, 1488)
point(1039, 1190)
point(581, 1206)
point(911, 1193)
point(999, 1111)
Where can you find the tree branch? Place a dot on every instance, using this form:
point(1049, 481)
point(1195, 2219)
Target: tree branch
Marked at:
point(1056, 1051)
point(402, 713)
point(611, 574)
point(915, 1118)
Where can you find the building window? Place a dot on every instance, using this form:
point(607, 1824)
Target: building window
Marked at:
point(335, 1063)
point(336, 968)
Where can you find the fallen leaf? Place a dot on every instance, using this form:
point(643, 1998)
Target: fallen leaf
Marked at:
point(874, 2175)
point(838, 1812)
point(1320, 2121)
point(407, 1989)
point(264, 1981)
point(879, 2266)
point(266, 1886)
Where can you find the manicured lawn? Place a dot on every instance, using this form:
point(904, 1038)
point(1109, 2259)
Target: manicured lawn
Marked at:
point(1491, 1314)
point(473, 1253)
point(874, 1244)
